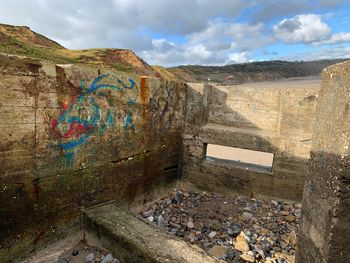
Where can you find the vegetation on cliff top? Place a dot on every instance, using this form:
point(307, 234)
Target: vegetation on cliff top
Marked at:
point(20, 40)
point(254, 71)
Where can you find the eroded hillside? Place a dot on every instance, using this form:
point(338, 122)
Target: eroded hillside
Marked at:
point(22, 41)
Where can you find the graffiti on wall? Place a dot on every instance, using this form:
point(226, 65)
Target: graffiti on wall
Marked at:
point(90, 112)
point(109, 104)
point(160, 117)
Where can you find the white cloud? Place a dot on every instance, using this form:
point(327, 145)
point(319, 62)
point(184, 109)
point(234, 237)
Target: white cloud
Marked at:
point(118, 23)
point(322, 53)
point(335, 39)
point(222, 35)
point(306, 28)
point(240, 57)
point(202, 31)
point(218, 44)
point(167, 53)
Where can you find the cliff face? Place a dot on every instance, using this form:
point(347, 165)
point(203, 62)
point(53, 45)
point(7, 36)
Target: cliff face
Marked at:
point(129, 59)
point(25, 35)
point(22, 41)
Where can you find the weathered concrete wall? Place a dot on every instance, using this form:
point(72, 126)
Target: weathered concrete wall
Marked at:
point(325, 230)
point(73, 136)
point(276, 119)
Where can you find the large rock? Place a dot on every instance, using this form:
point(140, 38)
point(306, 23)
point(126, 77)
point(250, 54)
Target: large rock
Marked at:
point(241, 244)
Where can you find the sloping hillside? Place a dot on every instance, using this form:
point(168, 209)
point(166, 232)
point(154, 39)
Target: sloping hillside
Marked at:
point(252, 72)
point(20, 40)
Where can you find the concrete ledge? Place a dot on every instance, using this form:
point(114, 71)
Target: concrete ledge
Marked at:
point(237, 137)
point(134, 240)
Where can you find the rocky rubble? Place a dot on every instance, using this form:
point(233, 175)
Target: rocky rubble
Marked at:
point(232, 229)
point(83, 252)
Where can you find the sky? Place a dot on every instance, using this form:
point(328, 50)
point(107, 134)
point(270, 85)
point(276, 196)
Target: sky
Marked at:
point(184, 32)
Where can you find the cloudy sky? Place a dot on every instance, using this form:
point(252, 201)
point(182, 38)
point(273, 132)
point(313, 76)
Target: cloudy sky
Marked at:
point(208, 32)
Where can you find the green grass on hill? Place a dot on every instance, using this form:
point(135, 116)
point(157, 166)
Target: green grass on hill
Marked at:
point(255, 71)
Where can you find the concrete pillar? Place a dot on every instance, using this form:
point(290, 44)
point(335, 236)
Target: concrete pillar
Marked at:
point(325, 229)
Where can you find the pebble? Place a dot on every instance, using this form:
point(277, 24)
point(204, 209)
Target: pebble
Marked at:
point(235, 229)
point(89, 258)
point(108, 258)
point(75, 252)
point(161, 221)
point(279, 207)
point(290, 218)
point(150, 218)
point(259, 250)
point(212, 234)
point(293, 239)
point(148, 213)
point(275, 203)
point(178, 197)
point(247, 216)
point(218, 251)
point(288, 258)
point(248, 232)
point(248, 258)
point(190, 225)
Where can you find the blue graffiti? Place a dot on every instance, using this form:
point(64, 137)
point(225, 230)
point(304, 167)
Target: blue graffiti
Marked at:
point(73, 129)
point(110, 117)
point(128, 122)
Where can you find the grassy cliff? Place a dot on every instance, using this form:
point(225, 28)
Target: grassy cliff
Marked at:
point(252, 72)
point(21, 41)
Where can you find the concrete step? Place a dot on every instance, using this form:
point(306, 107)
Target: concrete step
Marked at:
point(134, 240)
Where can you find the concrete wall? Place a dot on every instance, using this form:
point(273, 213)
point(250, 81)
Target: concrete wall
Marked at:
point(73, 136)
point(276, 118)
point(325, 230)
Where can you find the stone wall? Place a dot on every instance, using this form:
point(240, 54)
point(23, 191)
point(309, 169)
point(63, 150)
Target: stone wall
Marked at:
point(325, 230)
point(278, 119)
point(73, 136)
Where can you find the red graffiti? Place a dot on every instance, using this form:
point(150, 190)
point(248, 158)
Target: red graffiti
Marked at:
point(75, 128)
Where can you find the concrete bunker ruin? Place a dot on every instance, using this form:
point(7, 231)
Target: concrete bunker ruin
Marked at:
point(81, 142)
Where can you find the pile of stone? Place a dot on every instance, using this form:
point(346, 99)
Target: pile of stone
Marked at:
point(232, 229)
point(91, 258)
point(83, 252)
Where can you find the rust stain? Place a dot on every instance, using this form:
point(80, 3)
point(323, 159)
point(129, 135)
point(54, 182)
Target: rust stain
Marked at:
point(310, 98)
point(36, 189)
point(64, 85)
point(346, 110)
point(144, 100)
